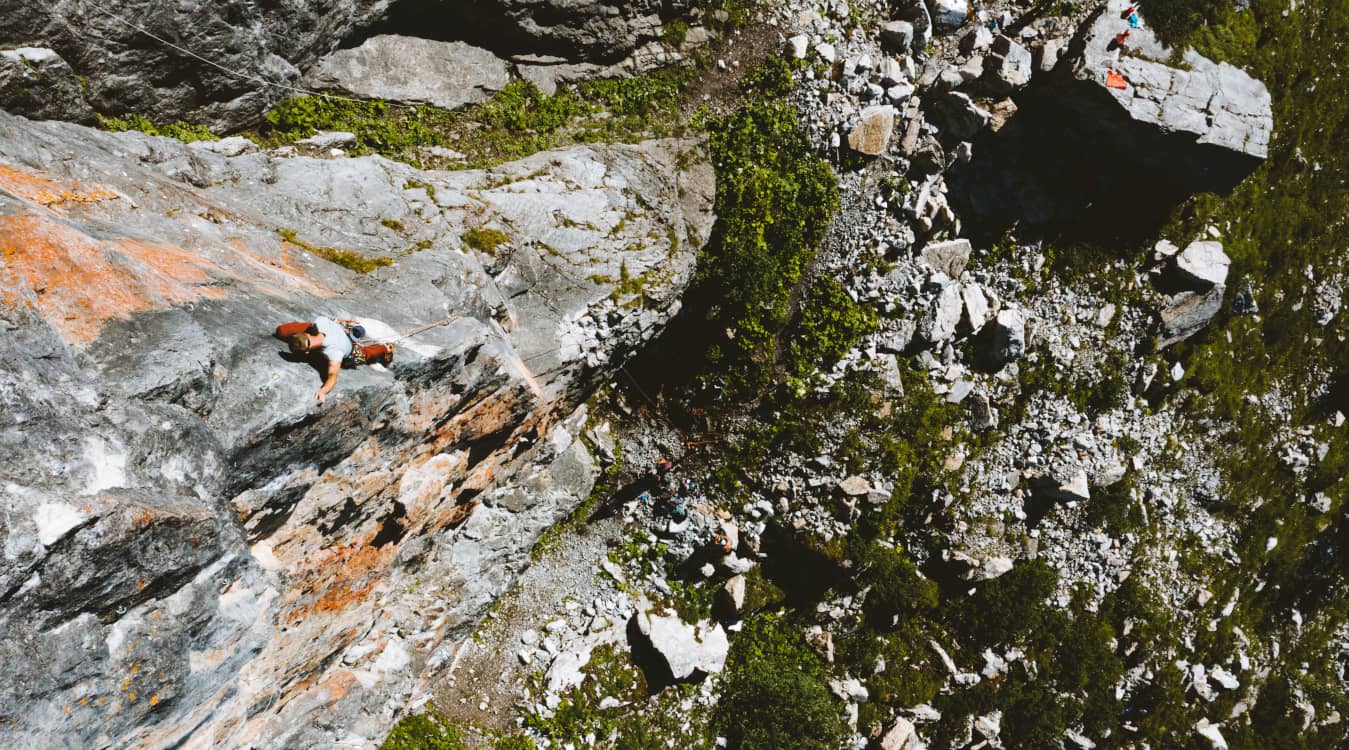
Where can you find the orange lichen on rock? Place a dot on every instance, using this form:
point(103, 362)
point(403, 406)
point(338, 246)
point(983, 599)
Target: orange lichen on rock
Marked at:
point(78, 283)
point(45, 192)
point(335, 579)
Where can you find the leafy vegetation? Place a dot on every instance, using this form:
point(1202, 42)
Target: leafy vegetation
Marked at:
point(519, 120)
point(774, 200)
point(776, 693)
point(428, 731)
point(182, 131)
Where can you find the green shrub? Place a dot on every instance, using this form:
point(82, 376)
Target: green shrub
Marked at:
point(776, 692)
point(774, 201)
point(182, 131)
point(897, 589)
point(428, 731)
point(829, 324)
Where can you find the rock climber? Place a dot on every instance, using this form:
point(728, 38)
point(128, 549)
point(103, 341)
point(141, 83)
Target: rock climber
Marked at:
point(339, 342)
point(1120, 40)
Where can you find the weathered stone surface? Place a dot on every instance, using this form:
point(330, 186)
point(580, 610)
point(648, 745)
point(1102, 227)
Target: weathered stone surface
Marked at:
point(37, 83)
point(949, 14)
point(1209, 110)
point(949, 256)
point(976, 39)
point(1203, 264)
point(733, 594)
point(1009, 336)
point(897, 36)
point(872, 134)
point(1185, 314)
point(686, 649)
point(413, 71)
point(276, 43)
point(128, 72)
point(184, 526)
point(915, 13)
point(900, 736)
point(944, 316)
point(960, 116)
point(854, 486)
point(1007, 67)
point(1069, 485)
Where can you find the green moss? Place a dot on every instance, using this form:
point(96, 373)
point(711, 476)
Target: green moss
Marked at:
point(182, 131)
point(415, 185)
point(485, 240)
point(393, 224)
point(345, 258)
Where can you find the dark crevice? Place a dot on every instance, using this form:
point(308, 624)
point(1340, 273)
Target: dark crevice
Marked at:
point(390, 526)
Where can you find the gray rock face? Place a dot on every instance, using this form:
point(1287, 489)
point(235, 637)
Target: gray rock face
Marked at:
point(593, 31)
point(949, 14)
point(897, 36)
point(1209, 122)
point(36, 82)
point(686, 649)
point(1185, 314)
point(1007, 67)
point(414, 71)
point(1203, 264)
point(872, 134)
point(960, 116)
point(944, 316)
point(128, 72)
point(949, 256)
point(1009, 336)
point(197, 555)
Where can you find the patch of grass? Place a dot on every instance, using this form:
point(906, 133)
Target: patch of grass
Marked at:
point(484, 239)
point(517, 121)
point(182, 131)
point(393, 224)
point(345, 258)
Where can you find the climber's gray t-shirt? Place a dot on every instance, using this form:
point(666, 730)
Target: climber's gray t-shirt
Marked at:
point(336, 345)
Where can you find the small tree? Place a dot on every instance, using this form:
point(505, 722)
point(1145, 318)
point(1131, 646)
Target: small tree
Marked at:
point(776, 693)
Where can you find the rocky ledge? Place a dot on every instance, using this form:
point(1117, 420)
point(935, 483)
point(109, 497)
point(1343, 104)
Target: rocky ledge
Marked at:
point(66, 59)
point(194, 551)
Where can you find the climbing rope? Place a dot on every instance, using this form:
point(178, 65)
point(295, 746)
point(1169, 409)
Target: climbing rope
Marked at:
point(212, 63)
point(408, 333)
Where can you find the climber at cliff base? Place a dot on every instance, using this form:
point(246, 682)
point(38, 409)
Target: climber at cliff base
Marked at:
point(339, 342)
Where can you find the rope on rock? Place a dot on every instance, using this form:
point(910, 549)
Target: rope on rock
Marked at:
point(408, 333)
point(214, 64)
